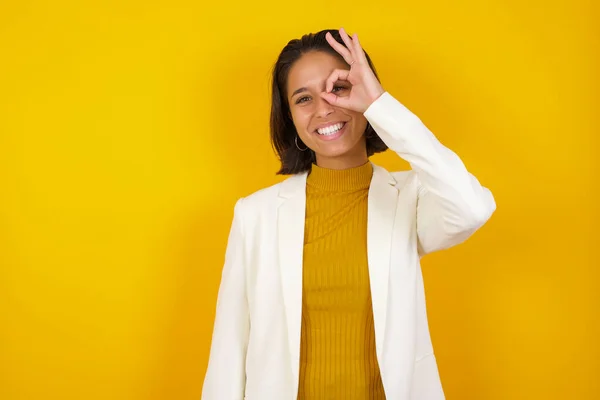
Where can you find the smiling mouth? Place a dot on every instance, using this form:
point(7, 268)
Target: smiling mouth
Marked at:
point(331, 130)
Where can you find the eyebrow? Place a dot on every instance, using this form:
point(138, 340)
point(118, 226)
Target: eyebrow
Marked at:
point(302, 89)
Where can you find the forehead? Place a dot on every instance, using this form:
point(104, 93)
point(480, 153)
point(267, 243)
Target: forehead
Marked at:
point(312, 69)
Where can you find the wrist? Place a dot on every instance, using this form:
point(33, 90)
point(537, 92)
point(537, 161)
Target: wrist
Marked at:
point(373, 97)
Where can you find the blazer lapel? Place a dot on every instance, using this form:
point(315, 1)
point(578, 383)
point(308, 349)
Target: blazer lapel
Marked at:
point(290, 225)
point(383, 197)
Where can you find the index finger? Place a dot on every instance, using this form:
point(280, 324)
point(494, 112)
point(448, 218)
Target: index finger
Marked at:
point(336, 75)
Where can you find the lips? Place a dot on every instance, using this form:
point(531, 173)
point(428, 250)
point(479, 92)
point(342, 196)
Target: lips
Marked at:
point(331, 131)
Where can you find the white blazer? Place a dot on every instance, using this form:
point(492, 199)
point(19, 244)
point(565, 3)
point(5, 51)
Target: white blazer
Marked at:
point(255, 349)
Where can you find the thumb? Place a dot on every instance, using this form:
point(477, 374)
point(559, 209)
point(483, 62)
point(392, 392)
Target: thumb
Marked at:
point(334, 100)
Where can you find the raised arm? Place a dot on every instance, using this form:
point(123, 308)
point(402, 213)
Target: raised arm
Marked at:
point(452, 204)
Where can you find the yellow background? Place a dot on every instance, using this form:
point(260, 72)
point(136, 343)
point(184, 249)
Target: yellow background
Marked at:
point(129, 129)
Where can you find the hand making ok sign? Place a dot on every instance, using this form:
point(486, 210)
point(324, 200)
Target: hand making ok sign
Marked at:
point(365, 86)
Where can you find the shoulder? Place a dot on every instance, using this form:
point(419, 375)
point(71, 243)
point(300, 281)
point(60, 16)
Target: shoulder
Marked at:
point(261, 197)
point(268, 197)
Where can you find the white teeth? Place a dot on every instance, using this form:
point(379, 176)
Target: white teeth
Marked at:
point(330, 130)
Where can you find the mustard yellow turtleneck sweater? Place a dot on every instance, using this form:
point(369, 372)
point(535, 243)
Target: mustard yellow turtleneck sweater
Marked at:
point(337, 349)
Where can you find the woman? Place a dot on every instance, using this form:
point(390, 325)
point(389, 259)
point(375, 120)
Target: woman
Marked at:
point(321, 294)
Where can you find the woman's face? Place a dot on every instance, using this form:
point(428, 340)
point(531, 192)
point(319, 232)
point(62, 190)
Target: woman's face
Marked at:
point(335, 134)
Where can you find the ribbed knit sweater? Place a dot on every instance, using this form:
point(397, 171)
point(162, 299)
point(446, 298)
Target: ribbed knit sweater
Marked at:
point(337, 349)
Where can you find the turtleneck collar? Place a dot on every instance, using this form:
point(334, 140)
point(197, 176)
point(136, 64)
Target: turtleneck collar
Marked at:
point(340, 180)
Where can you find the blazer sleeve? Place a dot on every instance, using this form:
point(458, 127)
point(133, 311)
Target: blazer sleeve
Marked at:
point(451, 203)
point(226, 373)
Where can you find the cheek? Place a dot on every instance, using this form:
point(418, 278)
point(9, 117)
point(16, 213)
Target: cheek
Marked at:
point(301, 121)
point(360, 123)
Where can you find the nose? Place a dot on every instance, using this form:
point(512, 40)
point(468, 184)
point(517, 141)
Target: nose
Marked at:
point(323, 107)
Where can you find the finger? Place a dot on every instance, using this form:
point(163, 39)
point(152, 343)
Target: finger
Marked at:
point(343, 51)
point(334, 100)
point(336, 75)
point(346, 39)
point(358, 50)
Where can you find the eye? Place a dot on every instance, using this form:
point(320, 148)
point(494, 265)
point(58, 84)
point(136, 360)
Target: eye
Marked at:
point(339, 89)
point(302, 99)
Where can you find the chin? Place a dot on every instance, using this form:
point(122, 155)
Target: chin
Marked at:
point(335, 153)
point(340, 150)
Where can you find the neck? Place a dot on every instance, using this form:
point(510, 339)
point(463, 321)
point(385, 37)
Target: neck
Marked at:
point(344, 162)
